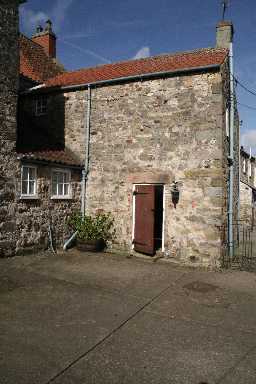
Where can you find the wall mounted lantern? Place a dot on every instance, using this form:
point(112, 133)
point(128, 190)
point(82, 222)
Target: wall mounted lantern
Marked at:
point(175, 191)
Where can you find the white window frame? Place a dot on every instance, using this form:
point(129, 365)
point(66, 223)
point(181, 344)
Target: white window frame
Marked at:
point(249, 168)
point(227, 122)
point(29, 195)
point(244, 166)
point(61, 196)
point(41, 105)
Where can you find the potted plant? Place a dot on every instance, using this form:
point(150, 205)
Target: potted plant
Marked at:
point(93, 232)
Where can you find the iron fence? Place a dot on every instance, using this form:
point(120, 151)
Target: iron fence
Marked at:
point(241, 253)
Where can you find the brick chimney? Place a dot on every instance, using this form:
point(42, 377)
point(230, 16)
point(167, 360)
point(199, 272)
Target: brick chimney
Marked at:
point(224, 34)
point(46, 38)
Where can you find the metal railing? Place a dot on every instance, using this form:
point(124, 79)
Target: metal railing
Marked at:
point(242, 253)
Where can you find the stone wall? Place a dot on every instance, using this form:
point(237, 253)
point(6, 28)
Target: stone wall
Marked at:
point(247, 185)
point(226, 151)
point(236, 166)
point(172, 126)
point(34, 216)
point(245, 163)
point(162, 129)
point(24, 223)
point(9, 67)
point(246, 206)
point(38, 132)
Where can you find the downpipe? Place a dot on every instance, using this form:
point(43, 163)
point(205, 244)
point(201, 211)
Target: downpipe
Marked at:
point(231, 156)
point(86, 165)
point(69, 241)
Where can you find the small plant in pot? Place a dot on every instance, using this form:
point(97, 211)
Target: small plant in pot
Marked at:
point(93, 232)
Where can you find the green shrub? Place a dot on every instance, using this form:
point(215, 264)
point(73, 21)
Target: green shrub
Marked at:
point(100, 226)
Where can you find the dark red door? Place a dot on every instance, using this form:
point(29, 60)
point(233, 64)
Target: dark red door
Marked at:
point(144, 219)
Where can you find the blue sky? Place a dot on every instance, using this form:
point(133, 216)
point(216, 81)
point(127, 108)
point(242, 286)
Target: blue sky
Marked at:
point(93, 32)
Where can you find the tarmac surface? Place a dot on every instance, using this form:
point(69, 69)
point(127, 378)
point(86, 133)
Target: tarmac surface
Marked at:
point(98, 318)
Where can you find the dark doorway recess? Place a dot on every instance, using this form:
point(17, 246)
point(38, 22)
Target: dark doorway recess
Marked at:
point(158, 230)
point(148, 224)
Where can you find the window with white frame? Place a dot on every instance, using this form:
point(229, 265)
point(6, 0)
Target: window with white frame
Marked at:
point(28, 181)
point(249, 168)
point(244, 166)
point(227, 122)
point(40, 105)
point(61, 183)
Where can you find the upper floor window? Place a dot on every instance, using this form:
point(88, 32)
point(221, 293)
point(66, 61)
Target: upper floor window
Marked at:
point(40, 105)
point(28, 181)
point(61, 184)
point(244, 166)
point(249, 168)
point(227, 122)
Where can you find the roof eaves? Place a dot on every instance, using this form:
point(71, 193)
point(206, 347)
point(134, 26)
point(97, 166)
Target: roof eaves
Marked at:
point(56, 88)
point(47, 162)
point(246, 154)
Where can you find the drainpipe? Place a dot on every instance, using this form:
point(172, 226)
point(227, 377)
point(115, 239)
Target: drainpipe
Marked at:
point(239, 174)
point(86, 164)
point(69, 241)
point(231, 155)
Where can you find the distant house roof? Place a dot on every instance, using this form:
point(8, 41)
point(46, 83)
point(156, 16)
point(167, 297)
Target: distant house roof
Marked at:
point(151, 65)
point(56, 157)
point(244, 153)
point(34, 62)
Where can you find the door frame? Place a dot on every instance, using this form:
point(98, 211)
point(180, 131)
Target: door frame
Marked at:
point(133, 211)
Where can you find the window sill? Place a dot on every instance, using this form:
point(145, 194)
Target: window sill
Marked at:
point(27, 197)
point(61, 198)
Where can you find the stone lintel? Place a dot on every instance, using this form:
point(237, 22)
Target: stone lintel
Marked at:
point(150, 177)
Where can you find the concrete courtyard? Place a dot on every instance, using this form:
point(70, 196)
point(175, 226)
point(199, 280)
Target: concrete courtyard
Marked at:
point(98, 318)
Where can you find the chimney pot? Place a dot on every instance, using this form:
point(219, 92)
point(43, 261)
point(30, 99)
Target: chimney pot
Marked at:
point(48, 26)
point(39, 29)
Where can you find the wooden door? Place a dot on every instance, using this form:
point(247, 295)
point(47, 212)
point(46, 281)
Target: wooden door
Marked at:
point(144, 219)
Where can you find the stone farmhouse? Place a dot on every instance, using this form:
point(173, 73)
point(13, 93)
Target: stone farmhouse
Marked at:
point(247, 187)
point(147, 140)
point(24, 219)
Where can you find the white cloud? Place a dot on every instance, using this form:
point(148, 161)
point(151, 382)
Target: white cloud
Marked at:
point(142, 52)
point(30, 19)
point(59, 11)
point(248, 139)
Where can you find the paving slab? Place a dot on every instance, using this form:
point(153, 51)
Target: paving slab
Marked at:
point(236, 281)
point(155, 349)
point(244, 372)
point(209, 304)
point(100, 318)
point(110, 272)
point(48, 323)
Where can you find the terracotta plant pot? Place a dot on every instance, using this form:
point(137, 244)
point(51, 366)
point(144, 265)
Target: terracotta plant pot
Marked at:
point(90, 245)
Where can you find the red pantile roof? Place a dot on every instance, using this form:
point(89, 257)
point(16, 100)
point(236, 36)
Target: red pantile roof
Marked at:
point(57, 157)
point(150, 65)
point(34, 62)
